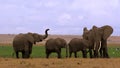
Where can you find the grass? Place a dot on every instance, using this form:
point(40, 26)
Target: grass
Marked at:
point(39, 52)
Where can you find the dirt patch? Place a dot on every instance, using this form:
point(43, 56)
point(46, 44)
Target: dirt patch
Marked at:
point(59, 63)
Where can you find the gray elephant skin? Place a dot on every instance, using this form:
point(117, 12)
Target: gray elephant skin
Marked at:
point(55, 45)
point(23, 43)
point(77, 44)
point(98, 40)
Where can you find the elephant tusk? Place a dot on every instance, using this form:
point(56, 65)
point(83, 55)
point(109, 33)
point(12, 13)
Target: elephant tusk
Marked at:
point(94, 45)
point(99, 46)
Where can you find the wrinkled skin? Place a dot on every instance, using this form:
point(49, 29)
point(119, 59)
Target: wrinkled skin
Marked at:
point(88, 35)
point(106, 31)
point(76, 45)
point(55, 45)
point(98, 36)
point(24, 42)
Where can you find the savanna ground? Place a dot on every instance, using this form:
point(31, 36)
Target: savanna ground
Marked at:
point(38, 59)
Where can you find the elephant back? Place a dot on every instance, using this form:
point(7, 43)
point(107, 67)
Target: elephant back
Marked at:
point(50, 43)
point(60, 42)
point(75, 44)
point(21, 39)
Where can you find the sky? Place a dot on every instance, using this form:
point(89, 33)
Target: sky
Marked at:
point(60, 16)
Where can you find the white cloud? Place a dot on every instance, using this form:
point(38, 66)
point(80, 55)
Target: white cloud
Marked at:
point(80, 17)
point(51, 4)
point(95, 7)
point(64, 18)
point(94, 4)
point(114, 3)
point(21, 29)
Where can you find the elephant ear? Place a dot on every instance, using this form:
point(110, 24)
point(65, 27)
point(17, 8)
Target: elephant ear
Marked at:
point(29, 38)
point(85, 33)
point(106, 31)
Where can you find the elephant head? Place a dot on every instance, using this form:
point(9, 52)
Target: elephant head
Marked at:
point(37, 37)
point(85, 33)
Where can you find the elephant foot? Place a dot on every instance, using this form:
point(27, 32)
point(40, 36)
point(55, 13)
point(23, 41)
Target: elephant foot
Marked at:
point(66, 56)
point(106, 57)
point(59, 57)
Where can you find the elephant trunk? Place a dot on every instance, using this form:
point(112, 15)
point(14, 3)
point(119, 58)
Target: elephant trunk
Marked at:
point(46, 34)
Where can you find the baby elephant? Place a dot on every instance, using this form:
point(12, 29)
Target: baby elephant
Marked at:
point(55, 45)
point(76, 45)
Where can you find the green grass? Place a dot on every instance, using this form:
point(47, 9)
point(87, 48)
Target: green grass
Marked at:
point(39, 52)
point(114, 51)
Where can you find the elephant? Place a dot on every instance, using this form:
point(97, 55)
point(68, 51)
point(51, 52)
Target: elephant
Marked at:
point(106, 32)
point(77, 44)
point(98, 40)
point(23, 43)
point(55, 45)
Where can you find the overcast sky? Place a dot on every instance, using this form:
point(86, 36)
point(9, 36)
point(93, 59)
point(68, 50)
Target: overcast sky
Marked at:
point(61, 16)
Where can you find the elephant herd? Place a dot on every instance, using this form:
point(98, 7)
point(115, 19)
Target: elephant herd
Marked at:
point(93, 41)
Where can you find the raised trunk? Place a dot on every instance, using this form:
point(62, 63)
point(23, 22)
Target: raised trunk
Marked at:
point(46, 34)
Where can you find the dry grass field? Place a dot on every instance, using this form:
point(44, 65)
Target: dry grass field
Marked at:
point(58, 63)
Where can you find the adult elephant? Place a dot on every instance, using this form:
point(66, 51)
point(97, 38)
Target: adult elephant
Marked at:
point(98, 39)
point(55, 45)
point(105, 32)
point(24, 42)
point(76, 45)
point(90, 36)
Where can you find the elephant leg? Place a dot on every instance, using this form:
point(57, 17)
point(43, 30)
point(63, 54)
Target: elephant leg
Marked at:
point(75, 54)
point(59, 53)
point(90, 53)
point(26, 54)
point(23, 54)
point(84, 53)
point(70, 54)
point(96, 54)
point(105, 50)
point(105, 53)
point(30, 48)
point(101, 52)
point(17, 54)
point(97, 48)
point(47, 53)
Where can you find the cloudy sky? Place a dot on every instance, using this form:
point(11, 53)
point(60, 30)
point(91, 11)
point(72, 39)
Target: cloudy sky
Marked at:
point(61, 16)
